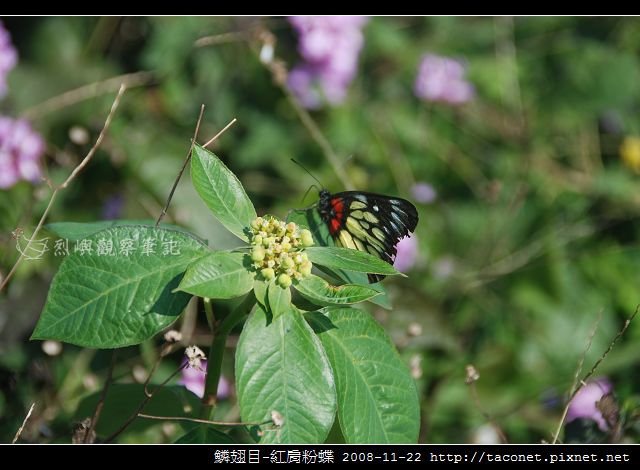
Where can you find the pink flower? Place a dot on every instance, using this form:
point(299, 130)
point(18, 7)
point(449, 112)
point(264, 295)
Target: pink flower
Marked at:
point(407, 253)
point(584, 403)
point(423, 192)
point(20, 151)
point(330, 46)
point(8, 58)
point(194, 380)
point(442, 79)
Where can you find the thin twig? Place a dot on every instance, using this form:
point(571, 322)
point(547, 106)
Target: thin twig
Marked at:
point(103, 396)
point(85, 92)
point(485, 414)
point(233, 36)
point(592, 371)
point(576, 378)
point(168, 349)
point(26, 418)
point(277, 69)
point(224, 129)
point(143, 403)
point(73, 174)
point(184, 166)
point(198, 420)
point(103, 132)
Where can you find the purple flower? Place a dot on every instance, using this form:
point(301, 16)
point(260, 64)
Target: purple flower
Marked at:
point(194, 380)
point(330, 46)
point(8, 58)
point(584, 403)
point(112, 207)
point(407, 253)
point(442, 79)
point(20, 151)
point(423, 192)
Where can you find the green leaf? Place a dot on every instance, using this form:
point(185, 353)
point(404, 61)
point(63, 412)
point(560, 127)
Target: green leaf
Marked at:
point(74, 231)
point(282, 367)
point(377, 398)
point(122, 401)
point(204, 434)
point(219, 275)
point(109, 301)
point(279, 299)
point(221, 190)
point(260, 291)
point(318, 290)
point(352, 260)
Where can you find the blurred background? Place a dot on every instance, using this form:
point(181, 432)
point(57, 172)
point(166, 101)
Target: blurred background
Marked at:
point(518, 139)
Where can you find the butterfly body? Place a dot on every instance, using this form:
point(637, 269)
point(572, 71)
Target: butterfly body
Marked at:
point(368, 222)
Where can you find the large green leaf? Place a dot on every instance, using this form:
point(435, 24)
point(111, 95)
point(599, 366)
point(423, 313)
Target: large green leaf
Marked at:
point(123, 400)
point(221, 191)
point(282, 367)
point(377, 398)
point(219, 275)
point(319, 291)
point(352, 260)
point(78, 230)
point(101, 300)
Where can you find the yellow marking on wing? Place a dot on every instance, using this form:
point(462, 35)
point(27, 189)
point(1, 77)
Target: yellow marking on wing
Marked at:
point(378, 233)
point(369, 217)
point(346, 240)
point(357, 205)
point(355, 228)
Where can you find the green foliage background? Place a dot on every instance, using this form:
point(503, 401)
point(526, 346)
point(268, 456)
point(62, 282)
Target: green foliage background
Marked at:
point(532, 239)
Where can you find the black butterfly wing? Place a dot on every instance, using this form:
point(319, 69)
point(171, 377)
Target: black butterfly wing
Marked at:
point(368, 222)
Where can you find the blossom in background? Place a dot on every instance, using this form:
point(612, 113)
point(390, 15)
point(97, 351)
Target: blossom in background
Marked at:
point(442, 79)
point(423, 192)
point(584, 404)
point(112, 207)
point(8, 58)
point(630, 152)
point(194, 380)
point(407, 253)
point(20, 151)
point(330, 46)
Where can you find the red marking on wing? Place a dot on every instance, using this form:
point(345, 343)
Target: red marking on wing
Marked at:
point(336, 221)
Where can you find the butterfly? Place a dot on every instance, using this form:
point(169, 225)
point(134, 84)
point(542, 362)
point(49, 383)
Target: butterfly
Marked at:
point(373, 223)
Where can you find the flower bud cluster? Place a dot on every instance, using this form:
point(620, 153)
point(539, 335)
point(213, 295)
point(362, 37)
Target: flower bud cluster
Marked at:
point(277, 250)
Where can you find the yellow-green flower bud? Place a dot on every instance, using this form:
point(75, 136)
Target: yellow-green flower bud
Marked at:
point(305, 268)
point(287, 263)
point(306, 238)
point(268, 273)
point(256, 223)
point(291, 227)
point(286, 246)
point(257, 240)
point(284, 281)
point(257, 253)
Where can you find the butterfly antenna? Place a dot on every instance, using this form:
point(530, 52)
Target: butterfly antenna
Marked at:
point(310, 174)
point(307, 192)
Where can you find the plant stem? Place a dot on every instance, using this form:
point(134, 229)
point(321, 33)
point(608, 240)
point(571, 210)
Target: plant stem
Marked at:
point(214, 361)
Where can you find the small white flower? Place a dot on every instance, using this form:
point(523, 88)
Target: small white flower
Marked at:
point(195, 356)
point(277, 418)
